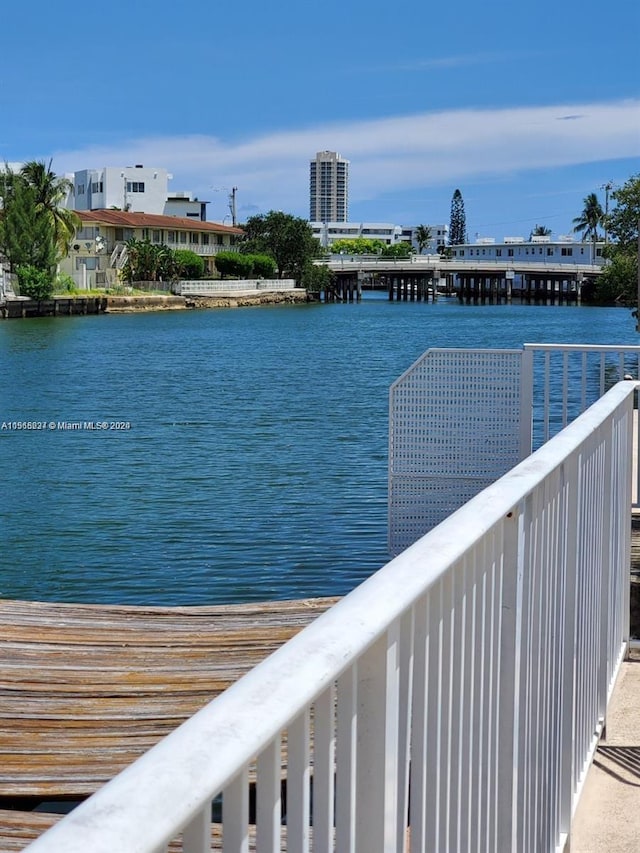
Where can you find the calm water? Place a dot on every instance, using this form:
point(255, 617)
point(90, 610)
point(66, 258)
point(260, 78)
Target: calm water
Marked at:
point(255, 465)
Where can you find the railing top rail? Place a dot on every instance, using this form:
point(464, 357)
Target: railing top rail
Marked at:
point(177, 777)
point(584, 347)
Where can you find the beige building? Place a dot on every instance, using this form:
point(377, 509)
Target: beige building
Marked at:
point(99, 249)
point(328, 188)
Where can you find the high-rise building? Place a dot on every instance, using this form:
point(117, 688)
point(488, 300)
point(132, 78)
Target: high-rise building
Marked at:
point(329, 188)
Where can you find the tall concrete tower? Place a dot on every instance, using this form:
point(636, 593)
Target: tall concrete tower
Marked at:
point(328, 188)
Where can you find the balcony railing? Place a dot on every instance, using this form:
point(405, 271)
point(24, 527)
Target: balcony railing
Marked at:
point(473, 670)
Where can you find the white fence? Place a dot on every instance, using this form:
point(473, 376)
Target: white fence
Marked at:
point(458, 419)
point(473, 670)
point(229, 287)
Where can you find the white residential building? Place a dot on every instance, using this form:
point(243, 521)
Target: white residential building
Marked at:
point(388, 233)
point(99, 250)
point(136, 189)
point(563, 248)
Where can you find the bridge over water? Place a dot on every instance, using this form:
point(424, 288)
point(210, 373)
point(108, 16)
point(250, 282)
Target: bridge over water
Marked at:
point(422, 277)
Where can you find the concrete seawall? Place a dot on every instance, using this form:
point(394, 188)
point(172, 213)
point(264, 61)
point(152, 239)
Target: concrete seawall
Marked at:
point(60, 306)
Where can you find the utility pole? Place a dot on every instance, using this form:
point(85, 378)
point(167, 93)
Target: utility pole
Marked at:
point(607, 188)
point(232, 205)
point(232, 201)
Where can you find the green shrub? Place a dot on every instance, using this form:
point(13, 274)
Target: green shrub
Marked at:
point(64, 284)
point(34, 283)
point(263, 266)
point(234, 264)
point(188, 264)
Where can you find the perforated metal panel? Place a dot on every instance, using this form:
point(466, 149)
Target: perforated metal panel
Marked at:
point(455, 426)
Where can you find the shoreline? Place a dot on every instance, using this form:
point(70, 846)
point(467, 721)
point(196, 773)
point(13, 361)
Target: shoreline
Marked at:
point(65, 306)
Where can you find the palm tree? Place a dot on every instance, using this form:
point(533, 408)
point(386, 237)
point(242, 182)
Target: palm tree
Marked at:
point(541, 231)
point(590, 219)
point(50, 193)
point(423, 236)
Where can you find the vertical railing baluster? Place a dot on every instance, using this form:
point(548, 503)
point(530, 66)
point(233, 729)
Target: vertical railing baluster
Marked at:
point(420, 728)
point(235, 814)
point(323, 771)
point(526, 403)
point(546, 396)
point(606, 571)
point(196, 836)
point(565, 388)
point(298, 783)
point(377, 749)
point(268, 798)
point(404, 724)
point(508, 671)
point(346, 735)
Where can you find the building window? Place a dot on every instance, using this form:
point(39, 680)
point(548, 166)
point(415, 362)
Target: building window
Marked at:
point(157, 236)
point(89, 263)
point(205, 239)
point(88, 232)
point(80, 189)
point(219, 240)
point(195, 237)
point(549, 250)
point(96, 187)
point(145, 233)
point(183, 236)
point(566, 251)
point(498, 253)
point(135, 186)
point(510, 252)
point(171, 236)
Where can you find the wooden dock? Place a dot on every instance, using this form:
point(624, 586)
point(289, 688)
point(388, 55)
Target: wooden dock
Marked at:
point(86, 689)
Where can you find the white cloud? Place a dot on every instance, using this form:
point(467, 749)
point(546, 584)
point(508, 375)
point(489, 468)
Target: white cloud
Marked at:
point(388, 154)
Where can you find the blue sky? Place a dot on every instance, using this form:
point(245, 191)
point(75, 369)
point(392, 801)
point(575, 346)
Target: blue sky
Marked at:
point(526, 108)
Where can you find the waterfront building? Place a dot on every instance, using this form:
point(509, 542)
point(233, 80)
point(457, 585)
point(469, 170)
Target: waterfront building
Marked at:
point(99, 251)
point(136, 189)
point(388, 233)
point(544, 249)
point(328, 188)
point(438, 240)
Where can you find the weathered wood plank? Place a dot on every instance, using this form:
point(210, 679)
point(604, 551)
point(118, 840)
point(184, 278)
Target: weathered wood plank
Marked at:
point(86, 689)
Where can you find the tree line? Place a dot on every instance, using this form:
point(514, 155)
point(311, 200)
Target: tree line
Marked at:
point(35, 229)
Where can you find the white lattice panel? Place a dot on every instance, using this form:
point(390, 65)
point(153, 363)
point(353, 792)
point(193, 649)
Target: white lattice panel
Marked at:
point(454, 428)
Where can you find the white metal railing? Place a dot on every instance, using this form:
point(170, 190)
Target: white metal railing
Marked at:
point(202, 248)
point(567, 378)
point(414, 262)
point(474, 670)
point(119, 256)
point(225, 286)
